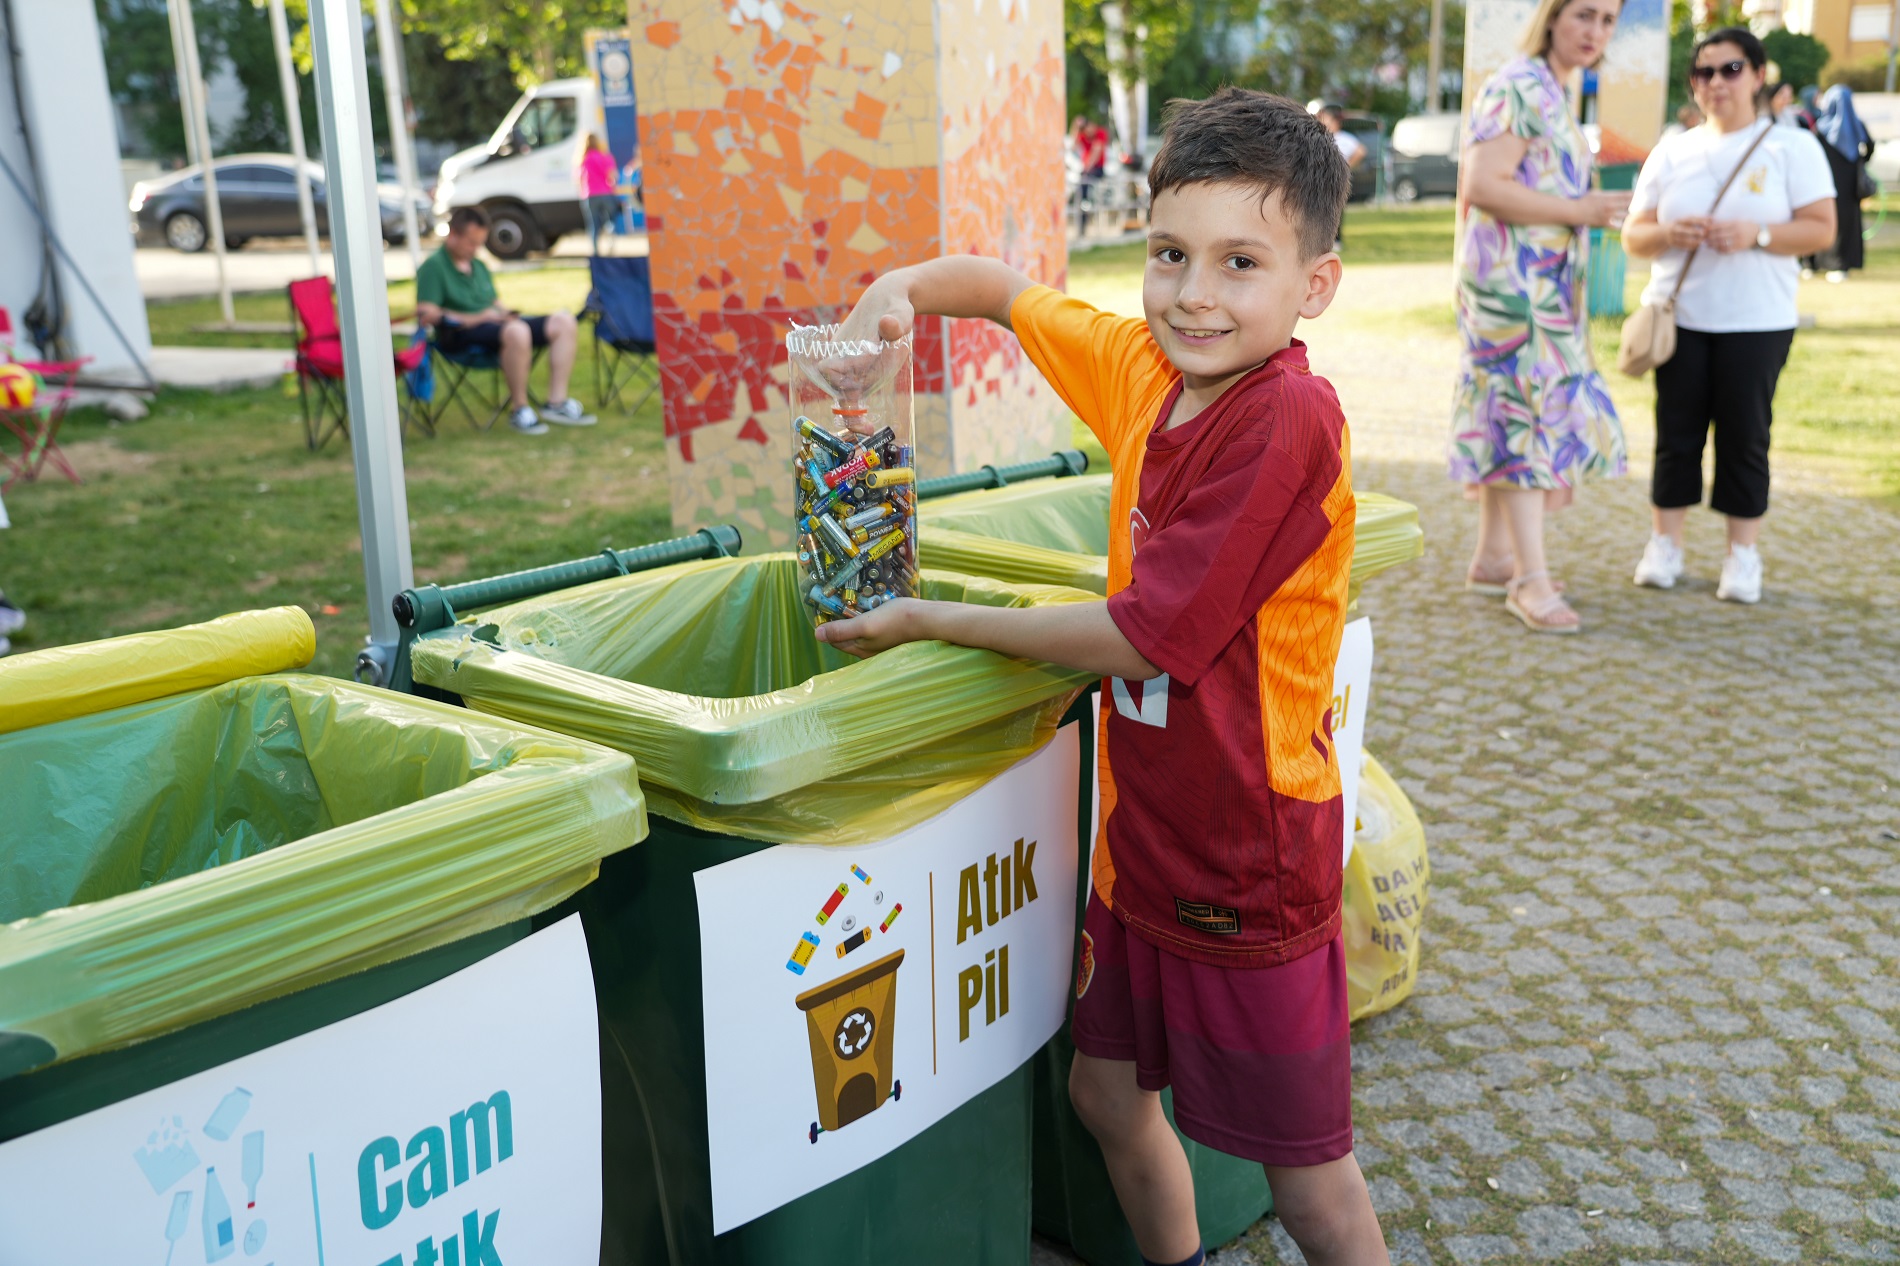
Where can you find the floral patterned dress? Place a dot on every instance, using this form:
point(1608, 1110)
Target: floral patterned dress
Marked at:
point(1531, 409)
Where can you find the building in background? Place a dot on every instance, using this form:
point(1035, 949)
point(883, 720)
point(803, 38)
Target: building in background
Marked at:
point(1854, 30)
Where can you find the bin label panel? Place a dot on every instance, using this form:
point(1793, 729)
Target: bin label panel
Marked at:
point(1352, 691)
point(459, 1123)
point(856, 996)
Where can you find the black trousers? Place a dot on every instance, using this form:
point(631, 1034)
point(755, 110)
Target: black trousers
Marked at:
point(1727, 379)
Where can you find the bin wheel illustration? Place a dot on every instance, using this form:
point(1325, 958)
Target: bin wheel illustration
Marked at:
point(897, 1090)
point(814, 1132)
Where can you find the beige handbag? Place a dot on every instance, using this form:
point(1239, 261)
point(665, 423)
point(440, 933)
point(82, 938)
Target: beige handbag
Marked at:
point(1649, 336)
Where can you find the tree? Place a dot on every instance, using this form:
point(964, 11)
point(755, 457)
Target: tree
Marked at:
point(1355, 52)
point(1800, 57)
point(540, 39)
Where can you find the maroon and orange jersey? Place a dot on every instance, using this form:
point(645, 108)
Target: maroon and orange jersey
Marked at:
point(1229, 548)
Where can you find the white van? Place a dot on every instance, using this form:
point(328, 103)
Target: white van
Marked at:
point(525, 178)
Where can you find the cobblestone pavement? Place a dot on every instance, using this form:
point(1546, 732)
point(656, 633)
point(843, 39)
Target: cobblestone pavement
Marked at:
point(1656, 1014)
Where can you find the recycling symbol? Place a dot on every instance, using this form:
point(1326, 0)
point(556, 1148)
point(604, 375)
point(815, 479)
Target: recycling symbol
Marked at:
point(853, 1037)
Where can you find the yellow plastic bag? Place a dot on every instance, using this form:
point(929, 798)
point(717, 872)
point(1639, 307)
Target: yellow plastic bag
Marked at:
point(177, 859)
point(1387, 878)
point(740, 720)
point(1055, 532)
point(42, 687)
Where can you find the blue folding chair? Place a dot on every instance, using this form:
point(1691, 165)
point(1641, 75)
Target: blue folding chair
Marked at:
point(621, 306)
point(451, 374)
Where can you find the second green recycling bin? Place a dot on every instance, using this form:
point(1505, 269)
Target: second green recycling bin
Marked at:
point(749, 733)
point(1055, 532)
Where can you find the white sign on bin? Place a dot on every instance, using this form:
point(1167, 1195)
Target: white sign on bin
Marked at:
point(1352, 691)
point(855, 996)
point(459, 1123)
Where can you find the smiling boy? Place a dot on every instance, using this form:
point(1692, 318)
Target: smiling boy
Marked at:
point(1214, 923)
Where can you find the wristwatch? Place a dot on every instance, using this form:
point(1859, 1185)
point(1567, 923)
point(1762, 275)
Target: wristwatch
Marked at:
point(1762, 238)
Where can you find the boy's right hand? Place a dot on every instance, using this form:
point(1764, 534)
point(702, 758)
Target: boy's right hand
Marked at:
point(883, 311)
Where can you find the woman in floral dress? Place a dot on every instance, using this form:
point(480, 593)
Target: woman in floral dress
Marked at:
point(1531, 418)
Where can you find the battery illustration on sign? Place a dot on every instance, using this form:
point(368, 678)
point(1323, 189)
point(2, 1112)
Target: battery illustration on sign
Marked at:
point(831, 906)
point(891, 917)
point(851, 1024)
point(801, 954)
point(852, 942)
point(859, 872)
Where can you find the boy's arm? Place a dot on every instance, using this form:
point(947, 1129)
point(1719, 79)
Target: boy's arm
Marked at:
point(953, 286)
point(1078, 635)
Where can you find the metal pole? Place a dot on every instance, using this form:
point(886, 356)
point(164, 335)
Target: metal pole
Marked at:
point(198, 120)
point(1893, 41)
point(369, 367)
point(185, 108)
point(389, 53)
point(1435, 59)
point(293, 124)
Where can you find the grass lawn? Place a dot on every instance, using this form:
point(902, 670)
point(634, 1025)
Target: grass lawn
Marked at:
point(214, 505)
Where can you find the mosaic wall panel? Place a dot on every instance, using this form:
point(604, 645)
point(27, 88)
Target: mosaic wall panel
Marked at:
point(793, 154)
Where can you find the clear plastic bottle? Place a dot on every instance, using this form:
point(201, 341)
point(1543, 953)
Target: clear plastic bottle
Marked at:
point(854, 470)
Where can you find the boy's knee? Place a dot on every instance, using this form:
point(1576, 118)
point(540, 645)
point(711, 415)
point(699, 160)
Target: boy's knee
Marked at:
point(560, 325)
point(1105, 1094)
point(1319, 1228)
point(516, 333)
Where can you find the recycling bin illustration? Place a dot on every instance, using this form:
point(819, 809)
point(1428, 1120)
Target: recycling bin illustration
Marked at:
point(852, 1024)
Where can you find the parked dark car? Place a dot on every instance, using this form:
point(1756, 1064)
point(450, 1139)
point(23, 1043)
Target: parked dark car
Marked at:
point(1425, 156)
point(1369, 132)
point(257, 194)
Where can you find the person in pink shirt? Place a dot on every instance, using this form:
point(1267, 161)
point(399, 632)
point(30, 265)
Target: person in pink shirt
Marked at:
point(599, 202)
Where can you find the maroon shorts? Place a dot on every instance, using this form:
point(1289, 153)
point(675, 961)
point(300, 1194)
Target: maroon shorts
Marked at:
point(1259, 1057)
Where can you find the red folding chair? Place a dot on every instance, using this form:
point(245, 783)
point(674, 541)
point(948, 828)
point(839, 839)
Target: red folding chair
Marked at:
point(326, 409)
point(36, 427)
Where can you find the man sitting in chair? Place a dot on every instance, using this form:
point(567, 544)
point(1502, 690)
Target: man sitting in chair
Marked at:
point(455, 295)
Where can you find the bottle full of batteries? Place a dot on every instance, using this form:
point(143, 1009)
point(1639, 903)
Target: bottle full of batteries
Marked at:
point(854, 471)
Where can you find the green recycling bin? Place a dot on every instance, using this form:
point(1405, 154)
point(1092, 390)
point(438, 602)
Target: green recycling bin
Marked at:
point(197, 862)
point(749, 734)
point(1055, 531)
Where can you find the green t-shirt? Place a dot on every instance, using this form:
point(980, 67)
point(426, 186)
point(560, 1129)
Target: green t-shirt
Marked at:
point(440, 282)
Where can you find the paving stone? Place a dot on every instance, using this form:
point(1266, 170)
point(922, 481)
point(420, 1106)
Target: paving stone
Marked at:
point(1407, 1248)
point(1766, 1242)
point(1456, 1210)
point(1626, 890)
point(1467, 1250)
point(1388, 1195)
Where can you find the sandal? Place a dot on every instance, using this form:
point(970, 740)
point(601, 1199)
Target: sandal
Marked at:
point(1499, 588)
point(1544, 617)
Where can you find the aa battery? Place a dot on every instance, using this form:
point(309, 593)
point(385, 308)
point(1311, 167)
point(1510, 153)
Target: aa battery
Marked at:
point(853, 941)
point(831, 906)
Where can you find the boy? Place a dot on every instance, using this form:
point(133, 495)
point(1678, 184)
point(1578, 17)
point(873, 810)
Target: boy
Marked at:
point(1213, 926)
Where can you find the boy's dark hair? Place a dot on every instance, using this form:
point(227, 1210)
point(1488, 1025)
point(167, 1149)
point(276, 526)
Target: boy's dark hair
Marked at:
point(1242, 137)
point(467, 217)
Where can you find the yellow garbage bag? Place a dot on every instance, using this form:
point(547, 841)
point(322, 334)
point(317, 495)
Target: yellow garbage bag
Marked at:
point(1387, 877)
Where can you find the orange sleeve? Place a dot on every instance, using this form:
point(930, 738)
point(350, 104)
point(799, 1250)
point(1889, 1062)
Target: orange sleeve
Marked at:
point(1098, 362)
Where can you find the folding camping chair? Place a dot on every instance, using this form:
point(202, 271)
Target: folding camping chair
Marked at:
point(320, 387)
point(37, 425)
point(476, 370)
point(621, 305)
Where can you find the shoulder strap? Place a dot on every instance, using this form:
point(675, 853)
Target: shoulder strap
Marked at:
point(1719, 195)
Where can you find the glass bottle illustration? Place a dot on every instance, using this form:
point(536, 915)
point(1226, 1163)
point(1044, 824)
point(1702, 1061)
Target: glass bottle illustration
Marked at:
point(253, 1166)
point(220, 1237)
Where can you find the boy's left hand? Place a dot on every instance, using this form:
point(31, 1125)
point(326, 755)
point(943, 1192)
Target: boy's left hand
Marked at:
point(892, 624)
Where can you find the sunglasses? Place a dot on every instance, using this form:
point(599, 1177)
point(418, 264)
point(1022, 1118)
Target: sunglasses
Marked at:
point(1730, 71)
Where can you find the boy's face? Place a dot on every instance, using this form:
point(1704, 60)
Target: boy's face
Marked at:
point(1225, 282)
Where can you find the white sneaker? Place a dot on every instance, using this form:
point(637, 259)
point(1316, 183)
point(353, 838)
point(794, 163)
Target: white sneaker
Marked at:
point(524, 421)
point(1661, 566)
point(12, 619)
point(567, 413)
point(1741, 575)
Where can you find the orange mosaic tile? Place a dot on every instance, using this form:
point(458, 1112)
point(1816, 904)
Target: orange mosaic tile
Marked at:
point(792, 155)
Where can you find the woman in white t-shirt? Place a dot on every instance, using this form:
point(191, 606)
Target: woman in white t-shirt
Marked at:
point(1735, 317)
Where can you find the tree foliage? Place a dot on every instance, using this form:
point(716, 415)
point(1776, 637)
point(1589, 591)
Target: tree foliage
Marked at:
point(1365, 54)
point(1800, 57)
point(538, 39)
